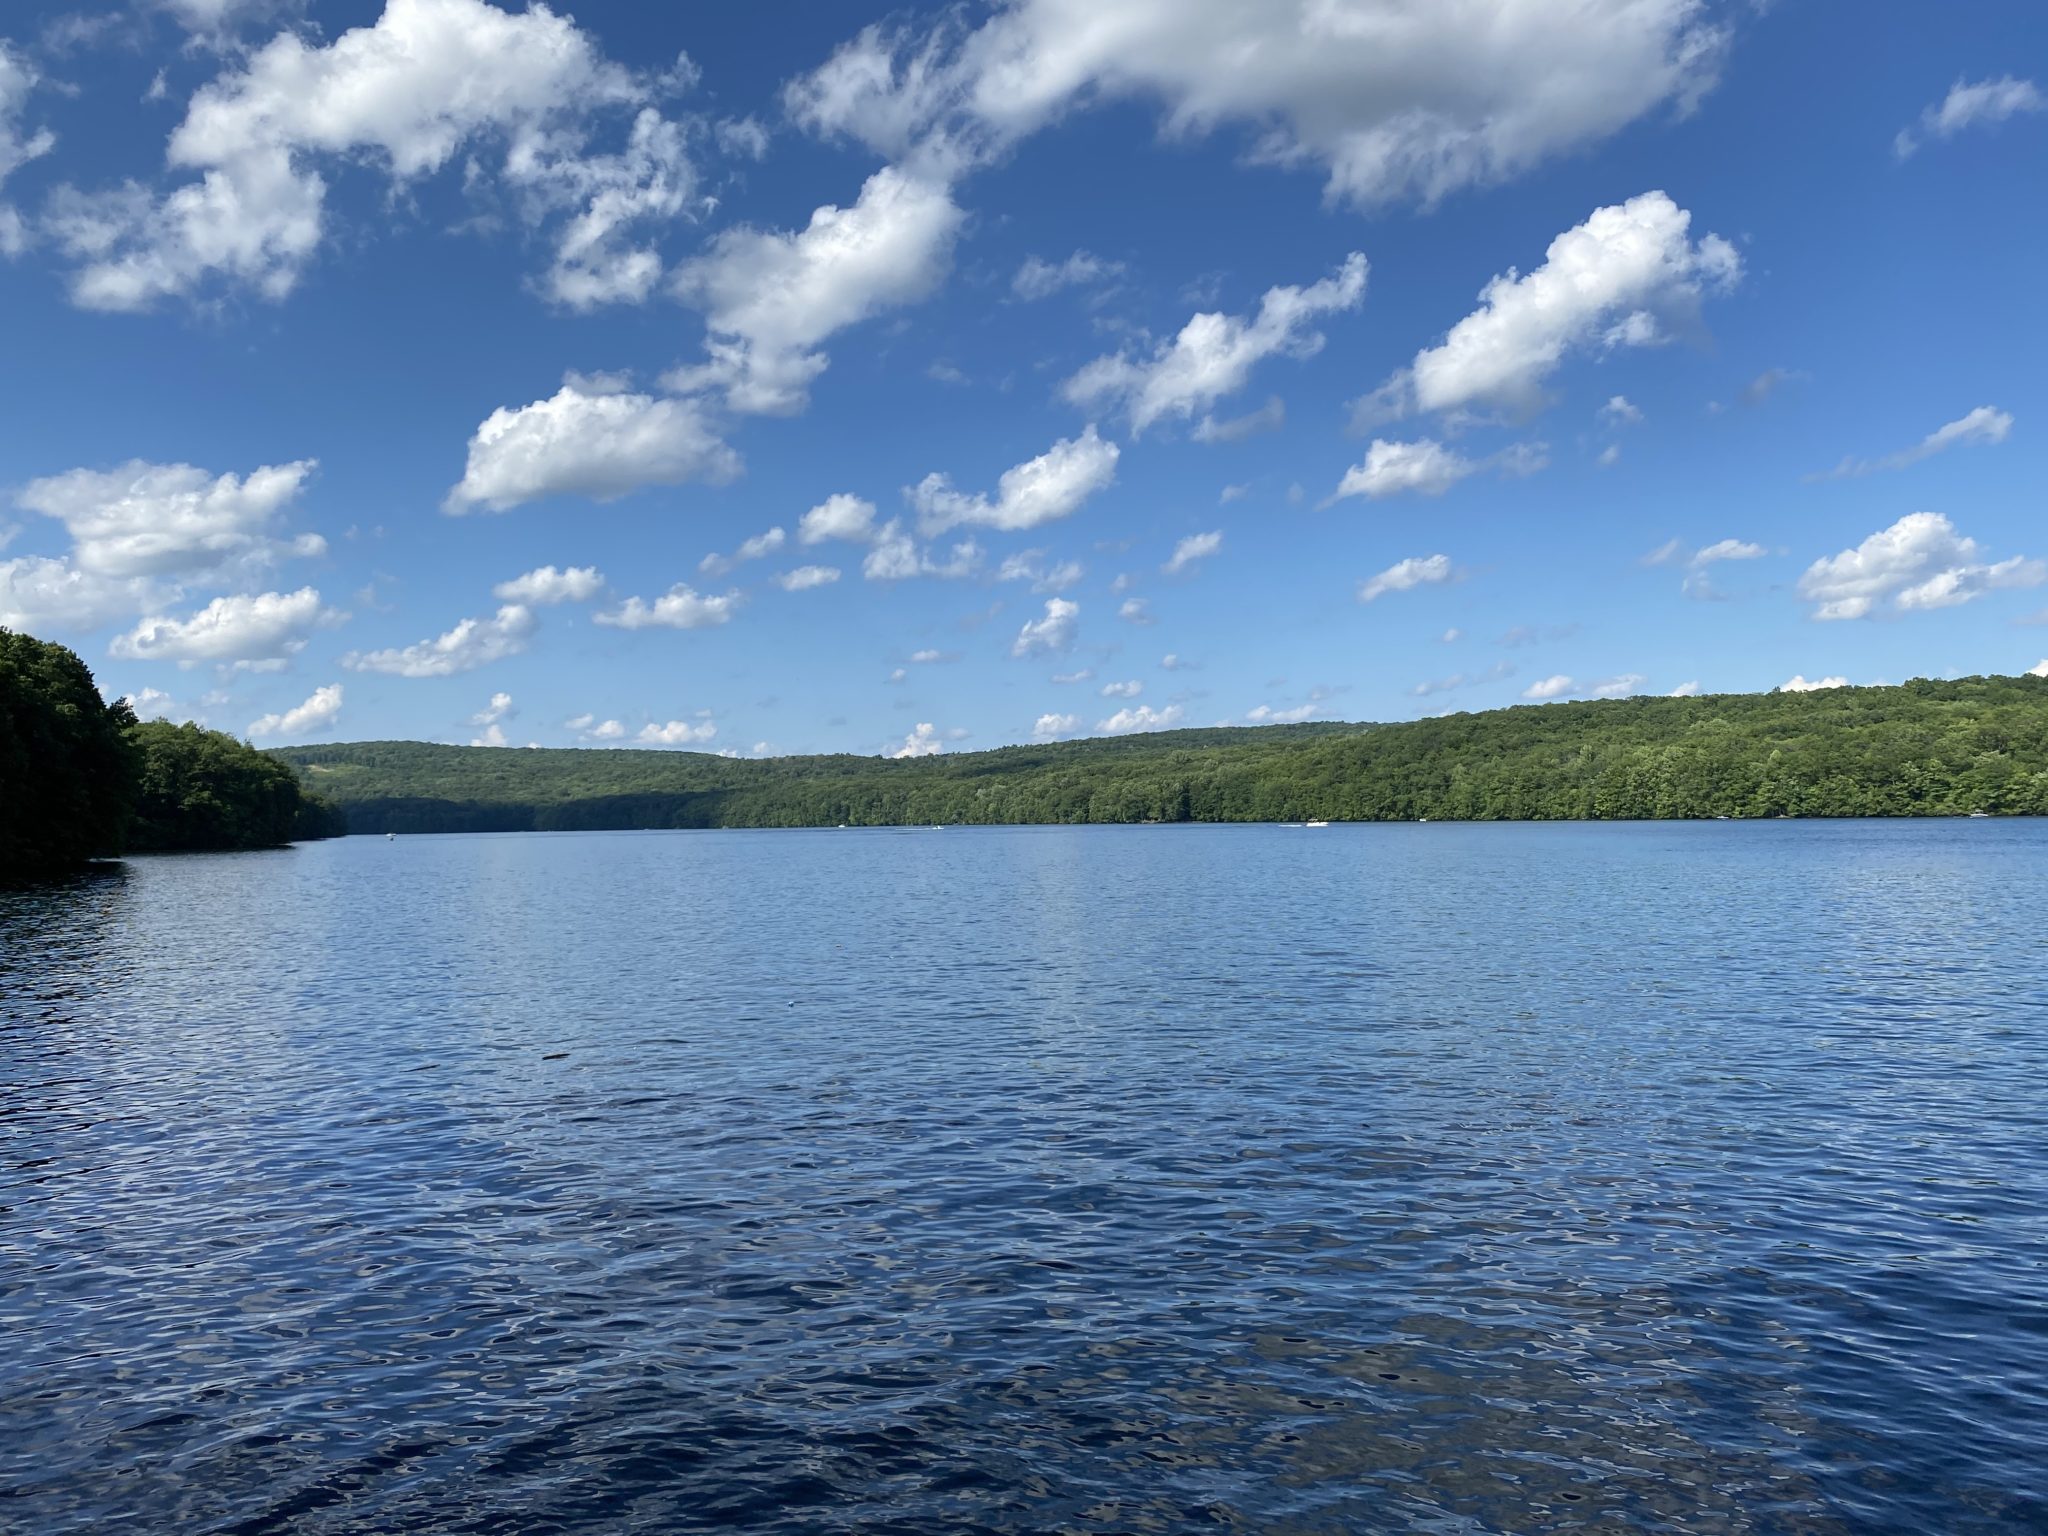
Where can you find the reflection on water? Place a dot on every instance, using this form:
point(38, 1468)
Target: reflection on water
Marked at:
point(1445, 1179)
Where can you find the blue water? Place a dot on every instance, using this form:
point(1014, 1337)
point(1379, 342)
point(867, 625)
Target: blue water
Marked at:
point(1446, 1179)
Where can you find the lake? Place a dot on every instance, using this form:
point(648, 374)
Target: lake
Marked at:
point(1447, 1179)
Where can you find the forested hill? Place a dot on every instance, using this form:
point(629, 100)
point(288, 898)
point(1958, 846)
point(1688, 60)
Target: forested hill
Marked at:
point(1921, 749)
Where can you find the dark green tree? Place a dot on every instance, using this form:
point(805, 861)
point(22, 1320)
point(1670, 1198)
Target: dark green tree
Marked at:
point(202, 789)
point(66, 766)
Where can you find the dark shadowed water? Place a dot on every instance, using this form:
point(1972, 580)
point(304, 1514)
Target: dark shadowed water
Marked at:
point(1447, 1179)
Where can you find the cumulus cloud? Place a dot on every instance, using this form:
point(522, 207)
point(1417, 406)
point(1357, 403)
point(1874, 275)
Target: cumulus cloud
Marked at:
point(1135, 610)
point(1051, 634)
point(1425, 467)
point(316, 714)
point(2039, 669)
point(39, 594)
point(1041, 279)
point(923, 741)
point(752, 549)
point(897, 557)
point(805, 577)
point(500, 709)
point(1627, 277)
point(838, 517)
point(681, 607)
point(1984, 425)
point(1038, 491)
point(544, 586)
point(1555, 687)
point(1407, 575)
point(593, 439)
point(1392, 102)
point(248, 628)
point(1196, 546)
point(1619, 412)
point(1685, 691)
point(1051, 727)
point(1214, 354)
point(1968, 105)
point(770, 298)
point(147, 519)
point(470, 644)
point(677, 733)
point(1919, 562)
point(428, 82)
point(1129, 690)
point(1142, 717)
point(1801, 684)
point(1618, 687)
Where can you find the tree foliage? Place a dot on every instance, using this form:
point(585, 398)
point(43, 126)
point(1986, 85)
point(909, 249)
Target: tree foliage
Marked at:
point(66, 767)
point(201, 789)
point(80, 779)
point(1925, 748)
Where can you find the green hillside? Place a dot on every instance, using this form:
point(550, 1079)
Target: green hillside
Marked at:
point(1921, 749)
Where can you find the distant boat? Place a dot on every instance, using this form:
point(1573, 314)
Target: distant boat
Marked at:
point(390, 837)
point(1980, 815)
point(1315, 823)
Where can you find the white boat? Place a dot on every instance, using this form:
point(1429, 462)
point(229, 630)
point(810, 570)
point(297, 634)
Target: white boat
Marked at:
point(1315, 823)
point(390, 837)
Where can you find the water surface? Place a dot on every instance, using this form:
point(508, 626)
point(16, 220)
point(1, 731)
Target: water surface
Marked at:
point(1447, 1179)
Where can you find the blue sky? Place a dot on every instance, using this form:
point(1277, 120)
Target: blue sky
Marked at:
point(443, 369)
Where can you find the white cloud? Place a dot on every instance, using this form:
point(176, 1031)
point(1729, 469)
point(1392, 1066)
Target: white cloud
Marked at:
point(1727, 549)
point(677, 733)
point(39, 594)
point(805, 577)
point(501, 708)
point(1425, 467)
point(1625, 277)
point(470, 644)
point(896, 557)
point(544, 586)
point(431, 80)
point(1129, 690)
point(1619, 412)
point(838, 517)
point(1270, 417)
point(1053, 633)
point(752, 549)
point(1052, 727)
point(147, 519)
point(1029, 565)
point(2039, 669)
point(1135, 610)
point(1685, 691)
point(316, 714)
point(1919, 562)
point(1800, 684)
point(1196, 546)
point(770, 298)
point(1266, 714)
point(18, 146)
point(1214, 354)
point(1451, 636)
point(925, 658)
point(742, 137)
point(153, 704)
point(922, 742)
point(1142, 717)
point(590, 728)
point(588, 439)
point(1040, 279)
point(1965, 106)
point(1231, 493)
point(1618, 687)
point(1549, 688)
point(1392, 101)
point(1172, 662)
point(1985, 425)
point(1038, 491)
point(263, 627)
point(1407, 575)
point(1086, 674)
point(681, 607)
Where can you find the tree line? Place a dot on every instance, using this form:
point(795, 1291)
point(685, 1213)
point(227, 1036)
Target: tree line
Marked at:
point(83, 779)
point(1924, 748)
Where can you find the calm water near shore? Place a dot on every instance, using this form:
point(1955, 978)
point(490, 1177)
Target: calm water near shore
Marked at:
point(1446, 1179)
